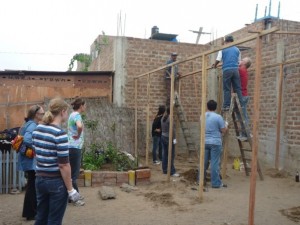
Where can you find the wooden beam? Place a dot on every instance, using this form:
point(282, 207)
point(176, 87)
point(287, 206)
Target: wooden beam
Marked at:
point(171, 122)
point(241, 41)
point(195, 87)
point(148, 121)
point(279, 108)
point(263, 67)
point(288, 32)
point(202, 126)
point(135, 119)
point(256, 98)
point(220, 91)
point(190, 73)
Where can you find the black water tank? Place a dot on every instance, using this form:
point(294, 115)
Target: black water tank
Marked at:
point(154, 30)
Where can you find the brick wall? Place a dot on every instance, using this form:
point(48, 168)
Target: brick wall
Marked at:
point(19, 92)
point(142, 55)
point(276, 48)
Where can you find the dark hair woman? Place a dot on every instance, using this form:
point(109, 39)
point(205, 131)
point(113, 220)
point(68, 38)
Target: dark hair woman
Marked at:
point(165, 125)
point(156, 135)
point(26, 161)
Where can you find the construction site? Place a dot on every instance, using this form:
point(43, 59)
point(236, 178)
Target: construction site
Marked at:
point(125, 85)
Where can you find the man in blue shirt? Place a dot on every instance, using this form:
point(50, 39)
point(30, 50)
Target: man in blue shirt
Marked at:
point(231, 57)
point(215, 127)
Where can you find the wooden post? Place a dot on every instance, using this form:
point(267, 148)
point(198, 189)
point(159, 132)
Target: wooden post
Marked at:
point(195, 83)
point(202, 126)
point(177, 118)
point(279, 107)
point(171, 123)
point(255, 130)
point(148, 121)
point(135, 119)
point(220, 92)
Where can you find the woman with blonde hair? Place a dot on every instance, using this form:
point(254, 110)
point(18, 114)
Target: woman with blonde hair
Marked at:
point(26, 161)
point(53, 171)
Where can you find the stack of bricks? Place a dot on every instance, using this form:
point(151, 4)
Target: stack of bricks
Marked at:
point(115, 178)
point(142, 176)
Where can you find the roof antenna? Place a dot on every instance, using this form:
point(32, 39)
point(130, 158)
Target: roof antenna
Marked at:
point(256, 13)
point(278, 15)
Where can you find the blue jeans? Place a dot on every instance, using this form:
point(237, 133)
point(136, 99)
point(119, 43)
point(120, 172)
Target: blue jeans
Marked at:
point(75, 159)
point(245, 114)
point(52, 197)
point(231, 77)
point(156, 145)
point(213, 153)
point(165, 145)
point(244, 109)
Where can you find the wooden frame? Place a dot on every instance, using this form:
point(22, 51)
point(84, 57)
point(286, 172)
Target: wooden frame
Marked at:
point(258, 37)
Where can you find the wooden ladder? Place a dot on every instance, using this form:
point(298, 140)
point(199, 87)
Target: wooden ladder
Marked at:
point(236, 115)
point(191, 147)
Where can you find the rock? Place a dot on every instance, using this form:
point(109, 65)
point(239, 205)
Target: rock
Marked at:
point(106, 192)
point(128, 188)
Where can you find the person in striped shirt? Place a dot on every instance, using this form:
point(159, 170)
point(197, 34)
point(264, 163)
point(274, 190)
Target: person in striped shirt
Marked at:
point(53, 171)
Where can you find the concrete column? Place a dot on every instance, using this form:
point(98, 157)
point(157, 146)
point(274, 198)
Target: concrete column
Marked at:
point(212, 80)
point(120, 48)
point(283, 145)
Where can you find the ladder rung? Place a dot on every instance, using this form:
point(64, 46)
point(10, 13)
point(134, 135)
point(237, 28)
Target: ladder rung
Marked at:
point(246, 149)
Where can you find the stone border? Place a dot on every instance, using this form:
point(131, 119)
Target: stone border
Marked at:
point(116, 178)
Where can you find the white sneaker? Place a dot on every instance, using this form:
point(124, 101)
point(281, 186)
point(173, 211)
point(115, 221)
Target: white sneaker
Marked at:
point(175, 175)
point(242, 138)
point(81, 197)
point(79, 203)
point(156, 162)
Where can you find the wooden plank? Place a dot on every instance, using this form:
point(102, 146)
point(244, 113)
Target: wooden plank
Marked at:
point(256, 110)
point(1, 171)
point(148, 120)
point(135, 119)
point(279, 108)
point(190, 73)
point(202, 126)
point(288, 32)
point(171, 123)
point(220, 91)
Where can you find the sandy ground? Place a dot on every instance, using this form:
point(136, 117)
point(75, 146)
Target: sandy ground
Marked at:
point(176, 202)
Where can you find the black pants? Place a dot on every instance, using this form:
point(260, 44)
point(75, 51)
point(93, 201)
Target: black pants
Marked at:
point(29, 206)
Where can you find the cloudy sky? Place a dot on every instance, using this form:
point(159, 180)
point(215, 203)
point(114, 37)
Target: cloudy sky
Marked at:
point(45, 34)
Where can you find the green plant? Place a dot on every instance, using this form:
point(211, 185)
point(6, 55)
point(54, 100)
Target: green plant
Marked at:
point(99, 154)
point(93, 159)
point(83, 58)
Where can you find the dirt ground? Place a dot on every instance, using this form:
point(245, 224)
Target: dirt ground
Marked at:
point(176, 202)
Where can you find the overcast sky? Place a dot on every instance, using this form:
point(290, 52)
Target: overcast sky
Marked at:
point(45, 34)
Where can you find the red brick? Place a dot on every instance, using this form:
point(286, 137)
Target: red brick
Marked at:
point(143, 173)
point(110, 181)
point(142, 181)
point(122, 177)
point(80, 182)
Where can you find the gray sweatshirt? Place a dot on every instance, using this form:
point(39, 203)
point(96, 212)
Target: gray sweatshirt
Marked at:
point(165, 127)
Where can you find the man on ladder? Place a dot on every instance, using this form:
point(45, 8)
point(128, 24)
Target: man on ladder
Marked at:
point(230, 57)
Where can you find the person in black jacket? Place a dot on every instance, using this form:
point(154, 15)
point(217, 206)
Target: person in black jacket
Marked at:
point(156, 135)
point(165, 126)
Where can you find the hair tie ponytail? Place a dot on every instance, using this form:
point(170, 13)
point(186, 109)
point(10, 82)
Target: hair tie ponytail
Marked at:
point(48, 117)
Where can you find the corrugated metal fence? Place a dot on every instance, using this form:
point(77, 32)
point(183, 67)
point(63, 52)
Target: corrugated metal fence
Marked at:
point(11, 179)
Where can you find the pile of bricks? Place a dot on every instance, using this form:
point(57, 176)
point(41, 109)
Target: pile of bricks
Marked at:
point(115, 178)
